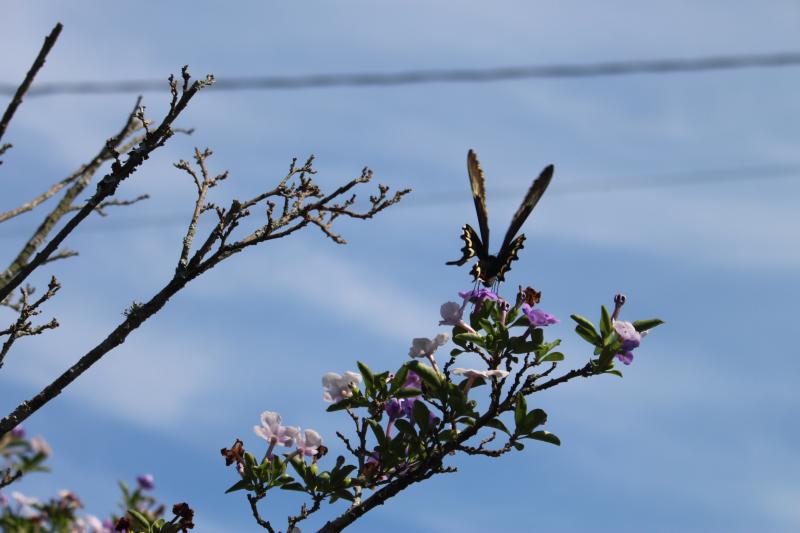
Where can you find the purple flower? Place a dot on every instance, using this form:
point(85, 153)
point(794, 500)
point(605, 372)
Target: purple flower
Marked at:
point(413, 381)
point(537, 317)
point(3, 500)
point(273, 432)
point(146, 481)
point(308, 442)
point(394, 408)
point(629, 339)
point(408, 406)
point(18, 432)
point(479, 295)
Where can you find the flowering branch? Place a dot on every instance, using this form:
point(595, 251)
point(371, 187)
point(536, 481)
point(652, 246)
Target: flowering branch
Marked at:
point(417, 417)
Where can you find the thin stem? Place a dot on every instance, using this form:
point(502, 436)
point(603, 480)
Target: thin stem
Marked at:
point(38, 63)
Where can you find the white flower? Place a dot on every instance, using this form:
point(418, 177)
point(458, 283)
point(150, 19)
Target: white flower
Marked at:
point(273, 432)
point(39, 445)
point(308, 442)
point(424, 347)
point(94, 524)
point(474, 374)
point(451, 314)
point(337, 387)
point(25, 503)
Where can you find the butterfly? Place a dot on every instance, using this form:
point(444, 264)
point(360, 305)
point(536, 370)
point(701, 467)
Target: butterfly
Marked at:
point(491, 269)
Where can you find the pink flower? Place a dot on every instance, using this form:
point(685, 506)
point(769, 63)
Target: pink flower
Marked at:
point(273, 432)
point(308, 442)
point(337, 387)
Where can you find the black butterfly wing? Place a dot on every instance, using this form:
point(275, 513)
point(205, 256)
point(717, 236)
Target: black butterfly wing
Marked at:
point(478, 183)
point(508, 255)
point(534, 194)
point(472, 245)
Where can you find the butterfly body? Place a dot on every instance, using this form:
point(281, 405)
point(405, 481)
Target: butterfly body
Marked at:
point(491, 269)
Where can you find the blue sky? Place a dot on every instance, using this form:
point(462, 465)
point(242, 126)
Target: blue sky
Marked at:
point(701, 433)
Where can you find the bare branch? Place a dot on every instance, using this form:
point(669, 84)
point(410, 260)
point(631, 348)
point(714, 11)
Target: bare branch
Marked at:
point(38, 63)
point(108, 185)
point(100, 209)
point(79, 180)
point(23, 327)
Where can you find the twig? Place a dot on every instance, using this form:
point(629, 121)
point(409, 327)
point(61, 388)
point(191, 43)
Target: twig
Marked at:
point(201, 261)
point(23, 327)
point(38, 63)
point(254, 508)
point(108, 185)
point(81, 179)
point(112, 203)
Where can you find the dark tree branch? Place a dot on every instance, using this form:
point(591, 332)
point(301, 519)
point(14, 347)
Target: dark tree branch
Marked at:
point(254, 508)
point(201, 261)
point(83, 174)
point(38, 63)
point(108, 185)
point(23, 327)
point(79, 180)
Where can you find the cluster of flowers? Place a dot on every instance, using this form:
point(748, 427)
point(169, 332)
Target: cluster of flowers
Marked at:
point(19, 512)
point(307, 443)
point(338, 387)
point(408, 398)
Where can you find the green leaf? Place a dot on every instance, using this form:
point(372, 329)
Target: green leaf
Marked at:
point(293, 486)
point(520, 410)
point(644, 325)
point(140, 520)
point(249, 460)
point(605, 321)
point(474, 338)
point(554, 356)
point(455, 352)
point(421, 416)
point(615, 372)
point(377, 429)
point(340, 405)
point(466, 420)
point(404, 426)
point(496, 423)
point(399, 378)
point(368, 376)
point(344, 494)
point(524, 347)
point(239, 485)
point(521, 321)
point(582, 321)
point(407, 393)
point(426, 373)
point(589, 335)
point(545, 436)
point(535, 418)
point(299, 466)
point(519, 446)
